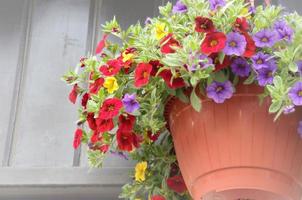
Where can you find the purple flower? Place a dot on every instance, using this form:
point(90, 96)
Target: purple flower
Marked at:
point(235, 44)
point(214, 4)
point(205, 61)
point(130, 103)
point(299, 63)
point(300, 129)
point(266, 74)
point(283, 30)
point(252, 9)
point(219, 92)
point(265, 38)
point(179, 7)
point(241, 67)
point(260, 60)
point(295, 94)
point(148, 21)
point(289, 109)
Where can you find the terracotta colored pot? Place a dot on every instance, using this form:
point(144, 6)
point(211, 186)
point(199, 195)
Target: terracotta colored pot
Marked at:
point(236, 150)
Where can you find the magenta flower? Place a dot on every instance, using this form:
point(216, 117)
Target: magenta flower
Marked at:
point(283, 30)
point(235, 44)
point(130, 103)
point(295, 94)
point(265, 38)
point(260, 60)
point(241, 67)
point(266, 74)
point(215, 4)
point(219, 92)
point(179, 7)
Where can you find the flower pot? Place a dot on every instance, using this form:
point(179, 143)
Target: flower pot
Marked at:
point(236, 149)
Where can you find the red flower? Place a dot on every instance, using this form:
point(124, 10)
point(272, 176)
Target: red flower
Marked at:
point(126, 122)
point(177, 82)
point(153, 137)
point(94, 87)
point(104, 148)
point(124, 140)
point(110, 108)
point(250, 46)
point(204, 25)
point(91, 121)
point(77, 138)
point(241, 25)
point(74, 94)
point(137, 140)
point(219, 66)
point(101, 44)
point(156, 65)
point(213, 43)
point(177, 184)
point(104, 125)
point(158, 197)
point(142, 74)
point(85, 99)
point(96, 137)
point(112, 67)
point(167, 43)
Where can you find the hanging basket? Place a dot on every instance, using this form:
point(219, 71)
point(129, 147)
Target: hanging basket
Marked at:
point(235, 149)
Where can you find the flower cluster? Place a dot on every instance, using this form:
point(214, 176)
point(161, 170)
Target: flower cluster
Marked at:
point(196, 48)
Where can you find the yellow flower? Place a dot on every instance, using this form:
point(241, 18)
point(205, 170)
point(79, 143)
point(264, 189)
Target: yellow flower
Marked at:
point(140, 171)
point(111, 84)
point(160, 30)
point(127, 56)
point(245, 12)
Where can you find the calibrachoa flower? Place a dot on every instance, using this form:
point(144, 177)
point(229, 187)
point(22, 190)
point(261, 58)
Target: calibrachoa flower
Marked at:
point(283, 30)
point(295, 94)
point(241, 25)
point(104, 125)
point(204, 25)
point(156, 65)
point(205, 61)
point(172, 82)
point(77, 138)
point(265, 75)
point(179, 7)
point(126, 122)
point(158, 197)
point(300, 129)
point(130, 103)
point(299, 64)
point(125, 140)
point(213, 43)
point(85, 99)
point(241, 67)
point(219, 92)
point(250, 49)
point(260, 60)
point(235, 44)
point(96, 85)
point(177, 184)
point(148, 21)
point(142, 74)
point(160, 30)
point(219, 66)
point(111, 84)
point(111, 68)
point(215, 4)
point(110, 108)
point(140, 171)
point(168, 43)
point(74, 94)
point(289, 109)
point(265, 38)
point(91, 121)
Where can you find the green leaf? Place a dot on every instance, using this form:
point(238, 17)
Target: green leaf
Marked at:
point(92, 106)
point(221, 57)
point(293, 67)
point(249, 80)
point(180, 94)
point(195, 101)
point(275, 106)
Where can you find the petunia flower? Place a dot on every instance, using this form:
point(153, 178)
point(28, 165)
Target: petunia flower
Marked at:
point(130, 103)
point(265, 75)
point(142, 74)
point(250, 49)
point(96, 85)
point(265, 38)
point(241, 25)
point(284, 30)
point(140, 171)
point(84, 100)
point(295, 94)
point(110, 84)
point(77, 138)
point(168, 43)
point(204, 25)
point(126, 122)
point(215, 4)
point(110, 108)
point(73, 95)
point(179, 7)
point(111, 68)
point(160, 30)
point(172, 82)
point(213, 43)
point(91, 121)
point(260, 60)
point(177, 184)
point(158, 197)
point(219, 92)
point(289, 109)
point(241, 67)
point(235, 44)
point(104, 125)
point(95, 138)
point(219, 66)
point(124, 140)
point(156, 65)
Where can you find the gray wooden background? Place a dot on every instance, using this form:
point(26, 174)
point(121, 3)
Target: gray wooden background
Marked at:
point(40, 40)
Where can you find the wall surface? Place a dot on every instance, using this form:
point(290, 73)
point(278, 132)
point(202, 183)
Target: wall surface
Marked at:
point(40, 40)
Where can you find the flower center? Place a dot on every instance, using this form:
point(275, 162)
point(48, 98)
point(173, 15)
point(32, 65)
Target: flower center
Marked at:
point(300, 93)
point(259, 61)
point(213, 43)
point(264, 39)
point(219, 88)
point(270, 74)
point(233, 44)
point(111, 107)
point(145, 74)
point(110, 69)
